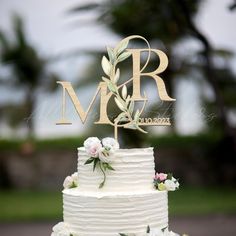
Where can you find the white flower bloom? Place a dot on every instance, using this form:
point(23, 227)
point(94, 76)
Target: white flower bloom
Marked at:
point(61, 229)
point(110, 143)
point(71, 181)
point(92, 146)
point(170, 185)
point(176, 182)
point(90, 142)
point(105, 156)
point(177, 185)
point(75, 177)
point(68, 182)
point(173, 179)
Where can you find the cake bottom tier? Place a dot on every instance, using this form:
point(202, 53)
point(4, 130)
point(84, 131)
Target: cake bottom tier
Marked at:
point(108, 214)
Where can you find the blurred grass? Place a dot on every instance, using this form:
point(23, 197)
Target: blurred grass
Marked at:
point(33, 206)
point(173, 141)
point(202, 201)
point(30, 205)
point(42, 144)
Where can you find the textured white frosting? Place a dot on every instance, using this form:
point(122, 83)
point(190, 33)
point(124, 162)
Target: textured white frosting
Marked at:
point(134, 171)
point(111, 213)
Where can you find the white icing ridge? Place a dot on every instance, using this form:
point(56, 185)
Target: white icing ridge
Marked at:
point(111, 213)
point(134, 171)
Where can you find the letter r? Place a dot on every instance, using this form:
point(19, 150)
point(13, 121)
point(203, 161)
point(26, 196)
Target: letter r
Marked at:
point(137, 73)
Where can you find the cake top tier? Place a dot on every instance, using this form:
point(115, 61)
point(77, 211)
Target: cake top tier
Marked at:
point(125, 170)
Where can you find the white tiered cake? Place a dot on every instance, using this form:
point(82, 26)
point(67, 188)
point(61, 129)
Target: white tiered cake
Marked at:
point(116, 191)
point(127, 203)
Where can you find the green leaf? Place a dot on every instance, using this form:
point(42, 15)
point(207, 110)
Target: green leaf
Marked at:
point(111, 54)
point(124, 119)
point(117, 76)
point(109, 167)
point(106, 66)
point(169, 176)
point(119, 104)
point(74, 185)
point(121, 46)
point(104, 164)
point(111, 87)
point(131, 107)
point(105, 79)
point(136, 116)
point(127, 99)
point(121, 117)
point(140, 129)
point(101, 184)
point(134, 125)
point(123, 56)
point(90, 160)
point(95, 163)
point(130, 125)
point(124, 92)
point(164, 228)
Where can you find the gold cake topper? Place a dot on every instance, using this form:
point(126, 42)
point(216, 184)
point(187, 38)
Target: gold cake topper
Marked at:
point(129, 116)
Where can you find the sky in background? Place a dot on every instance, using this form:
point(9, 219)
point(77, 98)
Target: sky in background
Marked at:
point(54, 32)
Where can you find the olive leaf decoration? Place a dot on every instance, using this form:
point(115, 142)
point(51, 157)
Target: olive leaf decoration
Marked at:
point(128, 118)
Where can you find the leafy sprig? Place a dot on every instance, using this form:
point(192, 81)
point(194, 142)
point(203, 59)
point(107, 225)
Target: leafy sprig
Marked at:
point(128, 118)
point(103, 166)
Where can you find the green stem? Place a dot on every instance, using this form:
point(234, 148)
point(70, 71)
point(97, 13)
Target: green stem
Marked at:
point(104, 175)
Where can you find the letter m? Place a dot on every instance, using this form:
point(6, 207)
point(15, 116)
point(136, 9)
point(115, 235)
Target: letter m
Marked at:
point(67, 88)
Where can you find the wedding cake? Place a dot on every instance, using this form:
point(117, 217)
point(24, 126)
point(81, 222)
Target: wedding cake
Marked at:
point(115, 192)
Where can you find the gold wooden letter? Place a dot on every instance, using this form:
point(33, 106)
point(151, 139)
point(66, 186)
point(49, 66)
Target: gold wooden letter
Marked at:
point(104, 98)
point(137, 73)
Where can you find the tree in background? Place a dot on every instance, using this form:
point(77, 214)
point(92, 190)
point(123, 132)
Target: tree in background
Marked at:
point(27, 73)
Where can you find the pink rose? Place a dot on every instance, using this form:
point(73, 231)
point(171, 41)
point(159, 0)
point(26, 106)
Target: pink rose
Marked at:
point(161, 176)
point(92, 146)
point(94, 149)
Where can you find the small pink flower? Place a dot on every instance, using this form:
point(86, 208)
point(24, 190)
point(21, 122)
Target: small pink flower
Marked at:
point(161, 176)
point(92, 146)
point(94, 150)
